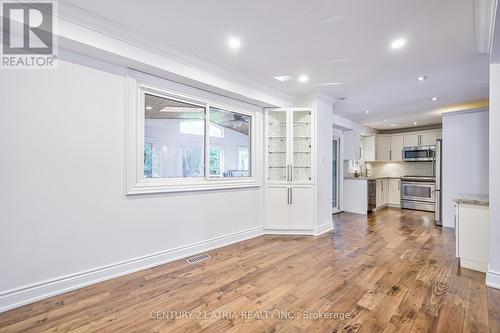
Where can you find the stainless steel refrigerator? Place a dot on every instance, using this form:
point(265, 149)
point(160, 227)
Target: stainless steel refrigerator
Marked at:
point(439, 181)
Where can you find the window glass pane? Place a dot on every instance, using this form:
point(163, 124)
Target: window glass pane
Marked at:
point(216, 161)
point(230, 137)
point(148, 160)
point(173, 138)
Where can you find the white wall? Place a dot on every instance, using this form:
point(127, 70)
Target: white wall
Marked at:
point(465, 158)
point(62, 205)
point(324, 161)
point(493, 276)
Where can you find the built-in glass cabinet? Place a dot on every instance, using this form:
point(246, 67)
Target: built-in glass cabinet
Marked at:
point(289, 135)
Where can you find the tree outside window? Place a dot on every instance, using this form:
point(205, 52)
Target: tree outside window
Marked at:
point(215, 158)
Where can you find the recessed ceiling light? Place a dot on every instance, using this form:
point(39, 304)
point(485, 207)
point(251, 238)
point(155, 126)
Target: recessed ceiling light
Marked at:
point(283, 78)
point(234, 43)
point(415, 123)
point(434, 99)
point(398, 43)
point(384, 120)
point(149, 107)
point(303, 78)
point(422, 78)
point(367, 111)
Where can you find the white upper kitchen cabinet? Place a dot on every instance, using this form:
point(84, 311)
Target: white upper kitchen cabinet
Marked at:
point(411, 139)
point(382, 148)
point(397, 144)
point(352, 150)
point(428, 138)
point(420, 138)
point(368, 148)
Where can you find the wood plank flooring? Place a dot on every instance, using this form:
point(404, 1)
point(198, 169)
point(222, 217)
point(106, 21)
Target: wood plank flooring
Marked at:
point(392, 272)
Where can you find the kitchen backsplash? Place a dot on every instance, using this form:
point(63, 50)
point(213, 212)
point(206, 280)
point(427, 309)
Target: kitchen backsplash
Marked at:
point(398, 169)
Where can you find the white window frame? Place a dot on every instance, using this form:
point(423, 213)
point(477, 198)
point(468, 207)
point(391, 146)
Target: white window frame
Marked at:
point(139, 84)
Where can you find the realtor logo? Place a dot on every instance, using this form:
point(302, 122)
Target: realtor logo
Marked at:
point(29, 39)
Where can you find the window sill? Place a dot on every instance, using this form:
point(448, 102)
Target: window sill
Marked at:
point(150, 187)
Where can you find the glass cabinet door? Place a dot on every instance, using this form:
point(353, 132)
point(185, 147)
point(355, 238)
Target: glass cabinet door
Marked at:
point(277, 146)
point(301, 146)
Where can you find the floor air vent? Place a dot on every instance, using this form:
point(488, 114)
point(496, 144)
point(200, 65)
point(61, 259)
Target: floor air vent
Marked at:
point(197, 258)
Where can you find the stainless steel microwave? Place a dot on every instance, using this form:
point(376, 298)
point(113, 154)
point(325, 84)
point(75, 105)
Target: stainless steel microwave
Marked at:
point(419, 153)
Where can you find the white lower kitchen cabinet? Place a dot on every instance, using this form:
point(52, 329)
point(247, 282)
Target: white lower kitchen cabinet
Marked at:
point(472, 236)
point(382, 192)
point(301, 207)
point(289, 208)
point(277, 212)
point(355, 196)
point(394, 192)
point(388, 192)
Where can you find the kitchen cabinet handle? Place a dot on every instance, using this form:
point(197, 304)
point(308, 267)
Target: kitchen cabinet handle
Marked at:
point(288, 196)
point(291, 195)
point(291, 173)
point(390, 155)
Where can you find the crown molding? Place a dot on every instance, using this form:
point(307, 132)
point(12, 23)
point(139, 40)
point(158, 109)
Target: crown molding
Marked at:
point(484, 13)
point(308, 99)
point(74, 19)
point(495, 35)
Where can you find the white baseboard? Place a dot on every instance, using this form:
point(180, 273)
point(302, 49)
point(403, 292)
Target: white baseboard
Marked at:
point(394, 205)
point(305, 232)
point(474, 265)
point(323, 228)
point(493, 279)
point(14, 298)
point(302, 231)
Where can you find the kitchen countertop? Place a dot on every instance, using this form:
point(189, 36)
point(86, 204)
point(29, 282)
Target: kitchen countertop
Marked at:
point(473, 199)
point(369, 178)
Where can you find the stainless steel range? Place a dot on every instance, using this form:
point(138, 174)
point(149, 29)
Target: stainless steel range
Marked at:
point(418, 192)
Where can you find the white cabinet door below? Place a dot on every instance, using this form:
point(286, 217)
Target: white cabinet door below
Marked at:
point(277, 208)
point(385, 191)
point(394, 192)
point(302, 207)
point(380, 199)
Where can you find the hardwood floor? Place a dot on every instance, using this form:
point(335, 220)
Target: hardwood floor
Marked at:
point(392, 272)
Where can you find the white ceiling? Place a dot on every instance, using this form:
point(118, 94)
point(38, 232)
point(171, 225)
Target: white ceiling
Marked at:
point(330, 41)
